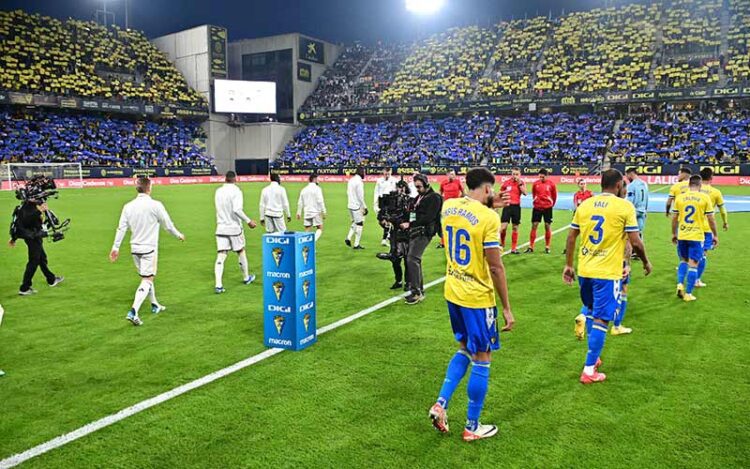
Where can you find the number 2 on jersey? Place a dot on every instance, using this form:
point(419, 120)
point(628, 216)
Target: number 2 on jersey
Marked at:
point(458, 247)
point(598, 234)
point(689, 213)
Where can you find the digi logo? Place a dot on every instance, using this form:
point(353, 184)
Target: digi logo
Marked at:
point(279, 321)
point(278, 289)
point(278, 255)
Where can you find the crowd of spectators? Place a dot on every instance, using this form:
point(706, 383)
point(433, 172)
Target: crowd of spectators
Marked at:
point(337, 87)
point(40, 54)
point(718, 136)
point(37, 136)
point(601, 49)
point(443, 67)
point(738, 42)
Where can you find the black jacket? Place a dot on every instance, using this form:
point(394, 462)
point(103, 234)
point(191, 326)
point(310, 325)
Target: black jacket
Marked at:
point(28, 223)
point(427, 209)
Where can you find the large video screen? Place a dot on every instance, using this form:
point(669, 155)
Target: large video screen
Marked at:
point(245, 97)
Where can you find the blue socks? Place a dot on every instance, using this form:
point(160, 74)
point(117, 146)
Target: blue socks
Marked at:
point(682, 272)
point(692, 275)
point(702, 266)
point(477, 390)
point(596, 343)
point(456, 370)
point(589, 318)
point(623, 308)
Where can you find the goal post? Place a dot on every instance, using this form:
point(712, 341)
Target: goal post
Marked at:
point(14, 174)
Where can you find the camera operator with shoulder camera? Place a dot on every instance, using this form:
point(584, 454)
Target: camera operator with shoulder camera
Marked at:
point(393, 211)
point(28, 224)
point(423, 224)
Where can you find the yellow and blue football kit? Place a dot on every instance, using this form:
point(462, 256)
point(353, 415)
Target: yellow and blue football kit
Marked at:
point(691, 209)
point(679, 188)
point(603, 222)
point(717, 199)
point(469, 227)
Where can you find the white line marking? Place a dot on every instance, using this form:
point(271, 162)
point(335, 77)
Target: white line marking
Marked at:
point(90, 428)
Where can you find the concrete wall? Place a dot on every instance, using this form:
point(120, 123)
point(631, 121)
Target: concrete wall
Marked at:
point(301, 89)
point(188, 51)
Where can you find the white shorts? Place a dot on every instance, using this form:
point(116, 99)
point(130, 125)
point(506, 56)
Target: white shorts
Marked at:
point(356, 216)
point(275, 224)
point(315, 220)
point(145, 264)
point(230, 243)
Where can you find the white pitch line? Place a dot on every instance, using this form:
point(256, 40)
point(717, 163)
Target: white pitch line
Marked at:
point(92, 427)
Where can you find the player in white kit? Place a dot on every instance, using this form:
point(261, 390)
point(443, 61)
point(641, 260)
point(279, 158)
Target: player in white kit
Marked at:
point(355, 191)
point(143, 216)
point(383, 186)
point(230, 236)
point(312, 207)
point(273, 206)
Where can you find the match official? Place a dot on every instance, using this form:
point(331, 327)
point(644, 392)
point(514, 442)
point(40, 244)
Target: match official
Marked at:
point(143, 216)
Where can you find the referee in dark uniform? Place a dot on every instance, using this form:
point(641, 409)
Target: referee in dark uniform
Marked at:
point(29, 227)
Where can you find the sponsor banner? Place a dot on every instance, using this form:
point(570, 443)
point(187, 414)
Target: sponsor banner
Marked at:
point(523, 101)
point(97, 104)
point(289, 300)
point(674, 169)
point(311, 50)
point(166, 181)
point(98, 172)
point(304, 72)
point(435, 170)
point(217, 42)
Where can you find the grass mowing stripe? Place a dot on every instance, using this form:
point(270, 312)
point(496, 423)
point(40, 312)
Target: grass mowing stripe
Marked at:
point(92, 427)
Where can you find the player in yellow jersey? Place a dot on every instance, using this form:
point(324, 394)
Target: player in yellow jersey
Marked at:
point(475, 271)
point(678, 188)
point(707, 175)
point(692, 210)
point(605, 223)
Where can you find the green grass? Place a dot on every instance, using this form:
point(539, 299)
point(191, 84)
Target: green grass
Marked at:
point(678, 392)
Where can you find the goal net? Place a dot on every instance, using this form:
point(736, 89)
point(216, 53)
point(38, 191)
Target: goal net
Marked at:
point(13, 175)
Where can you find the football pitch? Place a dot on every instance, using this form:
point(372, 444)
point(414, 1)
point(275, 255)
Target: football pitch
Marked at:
point(677, 393)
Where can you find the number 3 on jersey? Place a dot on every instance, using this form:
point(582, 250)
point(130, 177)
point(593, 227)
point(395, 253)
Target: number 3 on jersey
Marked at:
point(598, 234)
point(458, 247)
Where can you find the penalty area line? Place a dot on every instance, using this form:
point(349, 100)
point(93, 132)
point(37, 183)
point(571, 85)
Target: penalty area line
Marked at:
point(111, 419)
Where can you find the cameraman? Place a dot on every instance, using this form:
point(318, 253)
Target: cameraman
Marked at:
point(423, 224)
point(393, 211)
point(28, 225)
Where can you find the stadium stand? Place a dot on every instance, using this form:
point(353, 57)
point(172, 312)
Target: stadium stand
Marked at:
point(36, 136)
point(519, 48)
point(443, 67)
point(721, 136)
point(337, 87)
point(43, 55)
point(738, 41)
point(601, 49)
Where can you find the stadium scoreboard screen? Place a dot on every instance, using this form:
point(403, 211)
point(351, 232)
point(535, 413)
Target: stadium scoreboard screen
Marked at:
point(245, 97)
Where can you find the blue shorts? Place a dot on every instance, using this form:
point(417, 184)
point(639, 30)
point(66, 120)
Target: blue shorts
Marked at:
point(708, 241)
point(475, 326)
point(692, 250)
point(641, 219)
point(601, 297)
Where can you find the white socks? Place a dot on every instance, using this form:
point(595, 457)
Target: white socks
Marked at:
point(140, 294)
point(351, 231)
point(318, 234)
point(219, 268)
point(357, 234)
point(152, 295)
point(589, 370)
point(243, 265)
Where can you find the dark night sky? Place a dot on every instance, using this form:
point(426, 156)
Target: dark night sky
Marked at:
point(332, 20)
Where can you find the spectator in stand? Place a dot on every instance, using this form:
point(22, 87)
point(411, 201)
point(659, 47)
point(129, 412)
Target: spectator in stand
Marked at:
point(544, 192)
